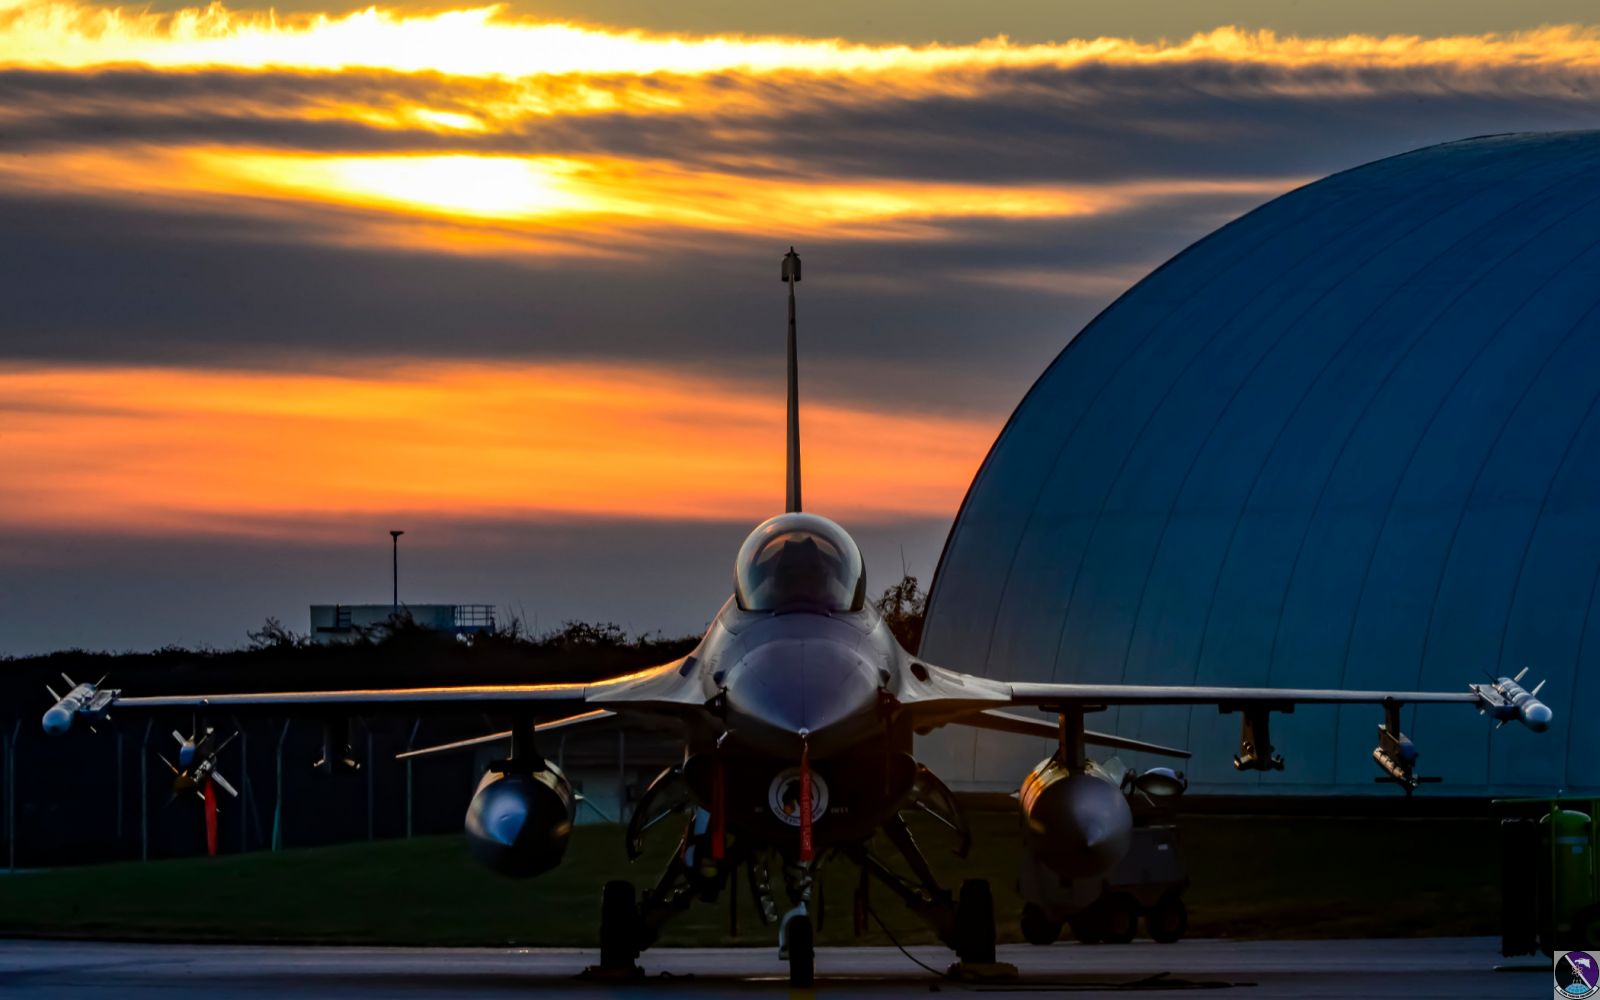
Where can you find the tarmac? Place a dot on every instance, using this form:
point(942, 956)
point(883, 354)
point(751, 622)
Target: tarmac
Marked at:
point(1434, 967)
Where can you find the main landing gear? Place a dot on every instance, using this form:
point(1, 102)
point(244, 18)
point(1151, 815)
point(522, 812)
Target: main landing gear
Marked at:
point(629, 923)
point(965, 923)
point(709, 859)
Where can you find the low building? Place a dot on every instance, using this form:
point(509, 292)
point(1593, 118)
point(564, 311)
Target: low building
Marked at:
point(349, 622)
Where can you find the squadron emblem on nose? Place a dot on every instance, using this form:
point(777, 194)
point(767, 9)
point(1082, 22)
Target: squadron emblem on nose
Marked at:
point(783, 796)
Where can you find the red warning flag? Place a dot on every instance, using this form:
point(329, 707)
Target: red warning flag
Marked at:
point(805, 802)
point(719, 810)
point(210, 792)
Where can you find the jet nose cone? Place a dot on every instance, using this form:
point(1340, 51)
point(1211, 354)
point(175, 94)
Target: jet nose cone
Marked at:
point(782, 688)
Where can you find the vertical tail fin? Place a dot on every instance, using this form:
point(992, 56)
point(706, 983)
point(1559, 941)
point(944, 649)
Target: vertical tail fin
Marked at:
point(791, 275)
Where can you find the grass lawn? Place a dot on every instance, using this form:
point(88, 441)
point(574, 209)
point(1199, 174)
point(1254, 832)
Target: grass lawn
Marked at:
point(1253, 877)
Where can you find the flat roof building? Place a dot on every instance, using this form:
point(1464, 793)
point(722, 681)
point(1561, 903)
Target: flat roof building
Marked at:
point(349, 622)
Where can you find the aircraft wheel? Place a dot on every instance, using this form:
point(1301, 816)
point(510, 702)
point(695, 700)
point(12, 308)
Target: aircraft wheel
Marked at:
point(1168, 919)
point(619, 926)
point(1122, 918)
point(802, 944)
point(1037, 928)
point(974, 931)
point(1089, 926)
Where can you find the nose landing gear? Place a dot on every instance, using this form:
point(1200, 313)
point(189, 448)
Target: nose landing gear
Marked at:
point(797, 943)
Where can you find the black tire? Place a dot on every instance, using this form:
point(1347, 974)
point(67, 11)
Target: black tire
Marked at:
point(619, 926)
point(1168, 920)
point(1037, 927)
point(802, 943)
point(975, 923)
point(1122, 918)
point(1089, 925)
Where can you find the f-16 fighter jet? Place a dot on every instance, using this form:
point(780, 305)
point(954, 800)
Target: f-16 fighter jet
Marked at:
point(797, 710)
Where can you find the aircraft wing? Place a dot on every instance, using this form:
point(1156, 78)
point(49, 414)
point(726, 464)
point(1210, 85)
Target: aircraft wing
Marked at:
point(666, 688)
point(934, 697)
point(1227, 698)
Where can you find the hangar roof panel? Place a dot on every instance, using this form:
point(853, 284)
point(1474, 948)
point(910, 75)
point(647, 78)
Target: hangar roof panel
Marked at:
point(1348, 439)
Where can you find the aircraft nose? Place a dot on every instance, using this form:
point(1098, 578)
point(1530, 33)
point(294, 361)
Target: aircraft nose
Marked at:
point(782, 689)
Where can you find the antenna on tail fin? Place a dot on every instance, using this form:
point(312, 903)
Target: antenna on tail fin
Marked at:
point(791, 275)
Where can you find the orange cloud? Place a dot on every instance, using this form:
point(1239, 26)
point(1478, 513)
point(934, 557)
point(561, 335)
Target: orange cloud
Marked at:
point(170, 449)
point(490, 41)
point(464, 145)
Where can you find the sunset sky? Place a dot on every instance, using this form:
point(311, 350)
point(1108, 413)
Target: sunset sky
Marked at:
point(273, 282)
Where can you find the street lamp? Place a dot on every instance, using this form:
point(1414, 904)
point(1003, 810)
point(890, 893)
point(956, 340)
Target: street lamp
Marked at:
point(396, 536)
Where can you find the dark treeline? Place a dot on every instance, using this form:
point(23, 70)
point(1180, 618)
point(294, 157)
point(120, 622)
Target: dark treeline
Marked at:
point(400, 654)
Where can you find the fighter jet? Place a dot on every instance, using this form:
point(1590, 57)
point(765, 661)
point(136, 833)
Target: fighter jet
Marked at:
point(797, 710)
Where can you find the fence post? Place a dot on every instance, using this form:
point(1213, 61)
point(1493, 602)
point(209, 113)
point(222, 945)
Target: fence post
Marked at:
point(244, 787)
point(144, 792)
point(411, 744)
point(11, 797)
point(622, 777)
point(372, 765)
point(120, 809)
point(277, 801)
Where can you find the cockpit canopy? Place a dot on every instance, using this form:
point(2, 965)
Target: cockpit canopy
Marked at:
point(800, 562)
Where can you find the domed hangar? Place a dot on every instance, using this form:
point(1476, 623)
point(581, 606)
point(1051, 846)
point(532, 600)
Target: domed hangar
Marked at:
point(1348, 440)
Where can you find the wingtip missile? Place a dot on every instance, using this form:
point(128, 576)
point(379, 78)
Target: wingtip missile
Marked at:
point(81, 699)
point(1506, 700)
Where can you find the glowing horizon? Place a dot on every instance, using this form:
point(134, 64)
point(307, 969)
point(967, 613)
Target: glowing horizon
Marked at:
point(153, 449)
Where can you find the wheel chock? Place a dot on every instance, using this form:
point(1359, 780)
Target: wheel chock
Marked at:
point(983, 972)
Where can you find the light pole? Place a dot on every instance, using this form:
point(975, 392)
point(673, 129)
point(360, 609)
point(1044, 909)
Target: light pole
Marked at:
point(396, 536)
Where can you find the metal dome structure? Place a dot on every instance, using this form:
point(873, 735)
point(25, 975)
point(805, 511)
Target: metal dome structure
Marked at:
point(1348, 440)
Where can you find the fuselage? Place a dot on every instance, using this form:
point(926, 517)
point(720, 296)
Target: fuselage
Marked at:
point(782, 684)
